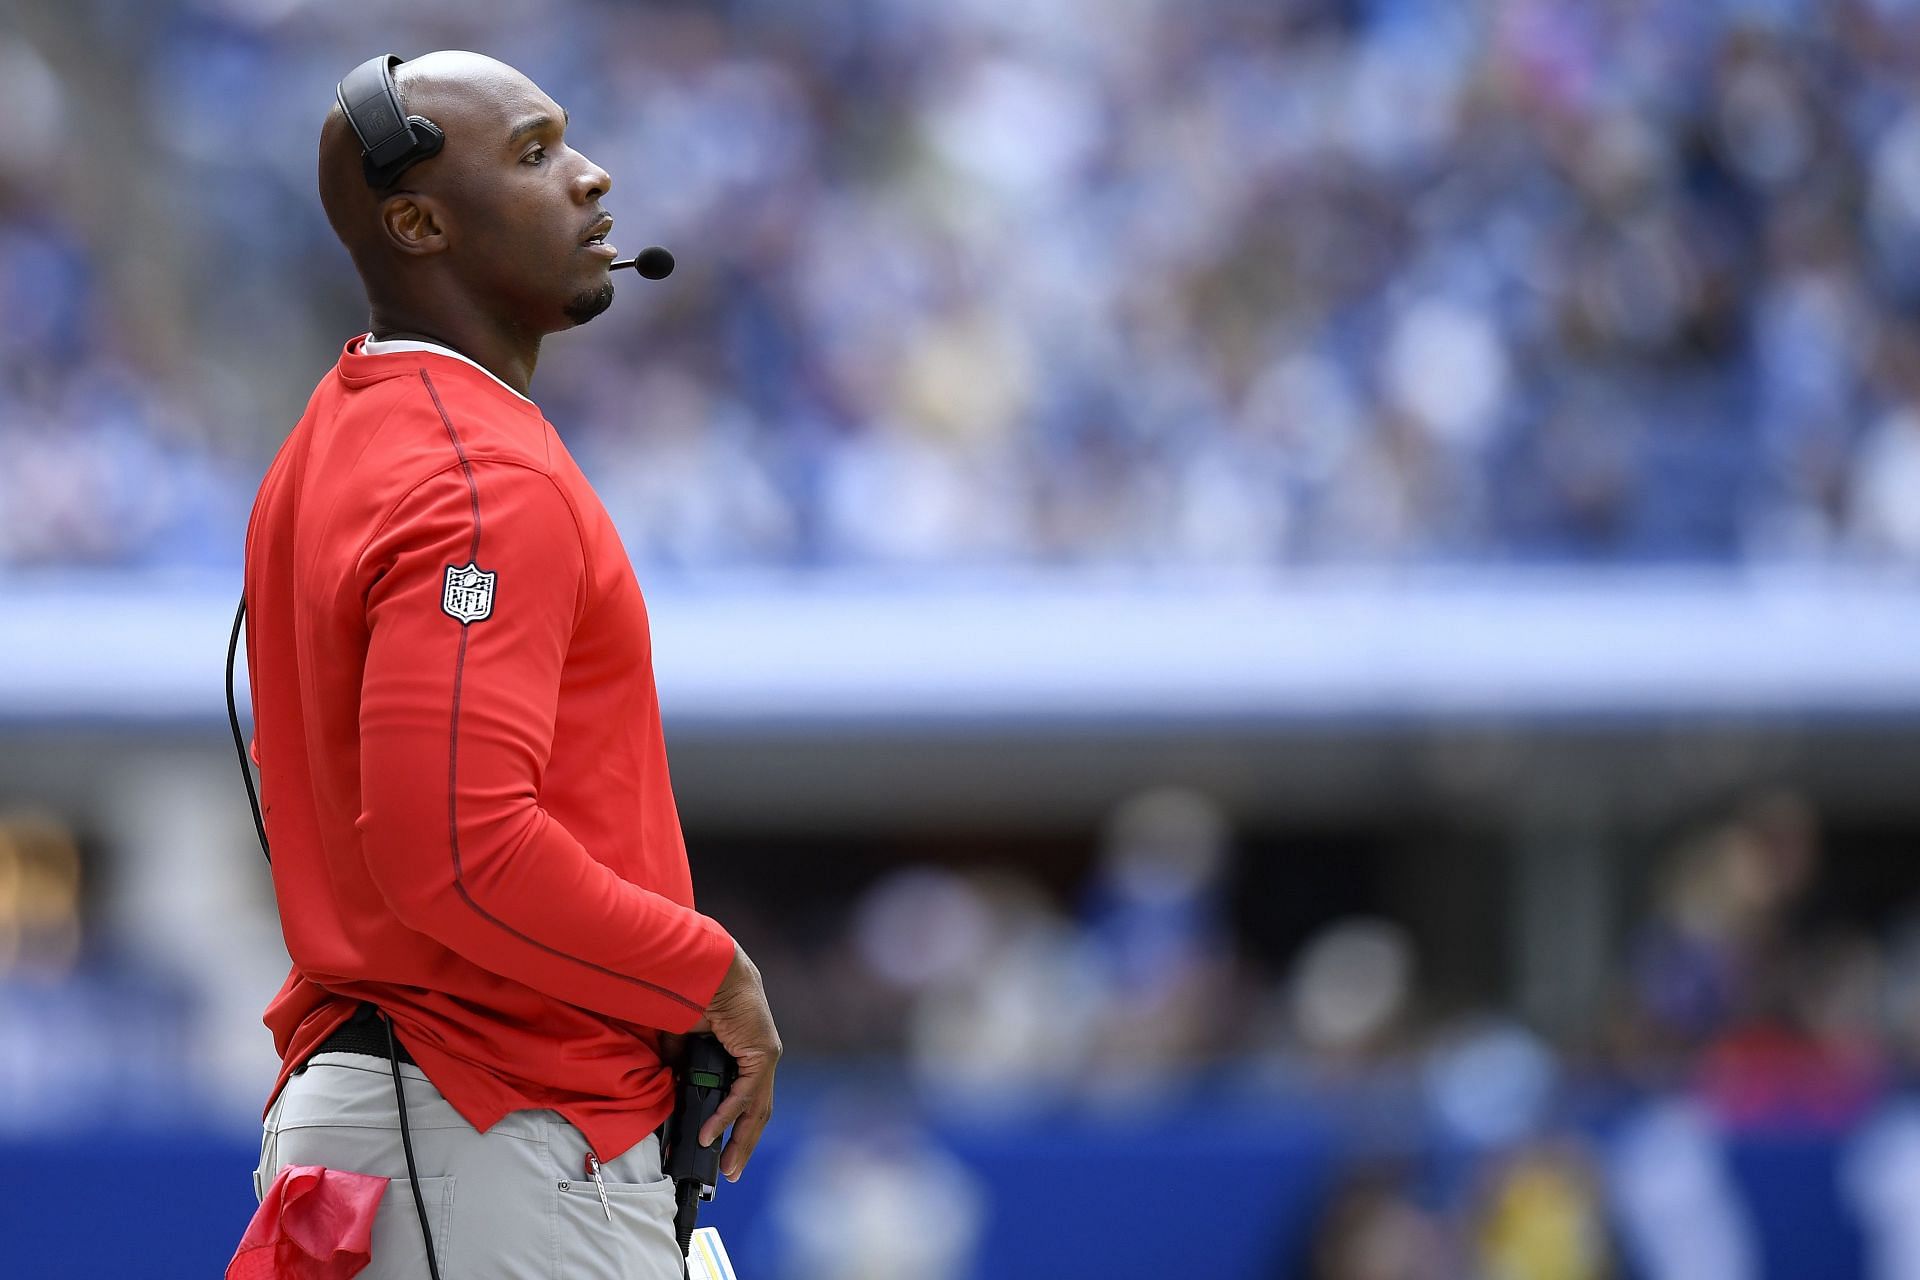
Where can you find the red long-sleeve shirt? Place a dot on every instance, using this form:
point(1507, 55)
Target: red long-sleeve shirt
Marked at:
point(461, 760)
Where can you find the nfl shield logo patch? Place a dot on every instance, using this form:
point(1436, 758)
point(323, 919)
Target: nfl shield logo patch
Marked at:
point(469, 594)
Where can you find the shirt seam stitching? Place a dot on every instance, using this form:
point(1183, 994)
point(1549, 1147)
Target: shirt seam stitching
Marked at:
point(580, 537)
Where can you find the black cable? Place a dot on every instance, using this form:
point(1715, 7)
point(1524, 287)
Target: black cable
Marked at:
point(686, 1210)
point(239, 743)
point(393, 1049)
point(406, 1141)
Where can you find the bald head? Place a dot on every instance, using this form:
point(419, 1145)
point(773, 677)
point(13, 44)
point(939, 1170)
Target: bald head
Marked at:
point(504, 204)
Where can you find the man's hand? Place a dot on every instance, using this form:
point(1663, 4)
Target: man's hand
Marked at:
point(740, 1019)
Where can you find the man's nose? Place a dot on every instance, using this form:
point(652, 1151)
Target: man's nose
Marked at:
point(592, 183)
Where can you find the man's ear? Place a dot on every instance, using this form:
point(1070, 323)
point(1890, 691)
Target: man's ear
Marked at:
point(412, 224)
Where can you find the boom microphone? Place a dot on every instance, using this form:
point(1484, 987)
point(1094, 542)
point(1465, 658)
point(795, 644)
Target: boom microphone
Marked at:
point(653, 262)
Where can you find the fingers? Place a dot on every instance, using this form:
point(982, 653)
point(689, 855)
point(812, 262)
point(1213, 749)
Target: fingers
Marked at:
point(746, 1136)
point(748, 1107)
point(733, 1106)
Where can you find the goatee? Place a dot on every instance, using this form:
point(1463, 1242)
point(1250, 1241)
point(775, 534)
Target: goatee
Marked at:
point(586, 306)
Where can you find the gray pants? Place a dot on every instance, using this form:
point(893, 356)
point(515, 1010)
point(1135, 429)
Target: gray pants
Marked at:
point(514, 1203)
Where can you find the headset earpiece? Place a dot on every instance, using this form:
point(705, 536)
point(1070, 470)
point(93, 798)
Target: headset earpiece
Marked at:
point(391, 141)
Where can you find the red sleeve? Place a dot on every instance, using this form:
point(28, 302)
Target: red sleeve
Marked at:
point(456, 728)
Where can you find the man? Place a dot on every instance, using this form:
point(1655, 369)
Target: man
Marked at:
point(474, 840)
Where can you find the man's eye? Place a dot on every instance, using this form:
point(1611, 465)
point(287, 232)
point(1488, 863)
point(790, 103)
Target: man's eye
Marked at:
point(534, 155)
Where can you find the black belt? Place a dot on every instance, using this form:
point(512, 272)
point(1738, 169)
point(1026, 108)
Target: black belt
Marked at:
point(362, 1033)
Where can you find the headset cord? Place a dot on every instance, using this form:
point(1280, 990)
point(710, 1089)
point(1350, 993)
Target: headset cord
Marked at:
point(233, 720)
point(393, 1050)
point(686, 1209)
point(406, 1142)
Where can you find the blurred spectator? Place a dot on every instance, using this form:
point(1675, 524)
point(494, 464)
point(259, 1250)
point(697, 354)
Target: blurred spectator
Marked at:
point(39, 898)
point(1679, 1210)
point(87, 1034)
point(1724, 905)
point(873, 1198)
point(1016, 1019)
point(1543, 1219)
point(1880, 1177)
point(1155, 915)
point(1351, 991)
point(1490, 1083)
point(1781, 1023)
point(1372, 1230)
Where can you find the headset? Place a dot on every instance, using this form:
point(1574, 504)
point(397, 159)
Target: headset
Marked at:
point(260, 829)
point(393, 1050)
point(391, 141)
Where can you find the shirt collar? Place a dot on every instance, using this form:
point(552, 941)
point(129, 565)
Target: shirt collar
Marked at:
point(393, 346)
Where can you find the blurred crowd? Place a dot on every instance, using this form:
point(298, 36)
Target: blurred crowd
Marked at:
point(1113, 282)
point(1754, 992)
point(1750, 996)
